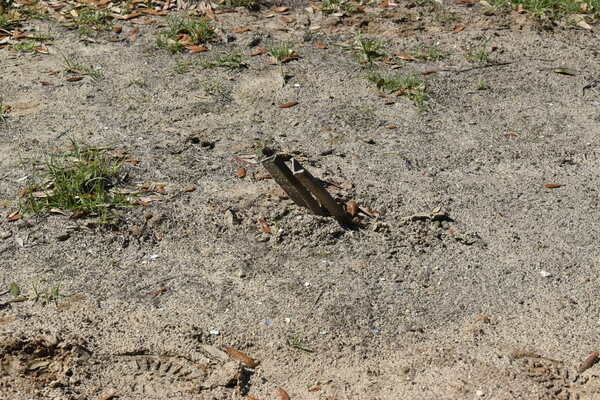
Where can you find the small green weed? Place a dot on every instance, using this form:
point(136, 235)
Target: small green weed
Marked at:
point(480, 54)
point(429, 54)
point(79, 180)
point(553, 9)
point(368, 50)
point(297, 343)
point(195, 31)
point(75, 67)
point(482, 85)
point(8, 20)
point(411, 86)
point(282, 52)
point(4, 110)
point(342, 6)
point(25, 46)
point(45, 295)
point(89, 20)
point(183, 66)
point(249, 4)
point(231, 62)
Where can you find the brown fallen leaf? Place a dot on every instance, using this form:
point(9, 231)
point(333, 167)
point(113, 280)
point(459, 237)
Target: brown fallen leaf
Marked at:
point(430, 71)
point(321, 45)
point(44, 83)
point(352, 208)
point(391, 127)
point(287, 20)
point(283, 395)
point(511, 134)
point(251, 398)
point(552, 185)
point(54, 72)
point(589, 362)
point(117, 29)
point(133, 161)
point(242, 30)
point(42, 50)
point(239, 356)
point(151, 11)
point(128, 16)
point(314, 388)
point(133, 34)
point(158, 292)
point(185, 39)
point(281, 9)
point(189, 188)
point(389, 103)
point(288, 105)
point(14, 216)
point(289, 58)
point(458, 28)
point(74, 78)
point(258, 52)
point(241, 172)
point(196, 49)
point(405, 56)
point(264, 226)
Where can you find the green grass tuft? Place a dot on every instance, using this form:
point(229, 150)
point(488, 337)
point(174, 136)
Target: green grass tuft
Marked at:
point(198, 30)
point(410, 86)
point(80, 181)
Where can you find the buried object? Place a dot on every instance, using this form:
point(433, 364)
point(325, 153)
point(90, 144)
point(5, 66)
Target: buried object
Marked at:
point(304, 189)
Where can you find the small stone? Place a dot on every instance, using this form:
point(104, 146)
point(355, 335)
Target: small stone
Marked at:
point(479, 393)
point(241, 273)
point(230, 218)
point(214, 332)
point(545, 274)
point(63, 236)
point(5, 235)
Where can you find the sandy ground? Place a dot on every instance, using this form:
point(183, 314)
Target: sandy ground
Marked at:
point(474, 280)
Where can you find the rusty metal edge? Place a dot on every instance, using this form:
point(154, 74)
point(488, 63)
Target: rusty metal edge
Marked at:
point(285, 178)
point(320, 193)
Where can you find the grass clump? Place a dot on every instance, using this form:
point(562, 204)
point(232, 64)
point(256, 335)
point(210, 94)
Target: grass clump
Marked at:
point(553, 9)
point(282, 53)
point(4, 110)
point(80, 181)
point(89, 20)
point(341, 6)
point(481, 54)
point(368, 50)
point(253, 5)
point(184, 31)
point(73, 66)
point(26, 46)
point(232, 62)
point(429, 54)
point(410, 86)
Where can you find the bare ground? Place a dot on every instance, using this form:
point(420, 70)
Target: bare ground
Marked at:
point(440, 296)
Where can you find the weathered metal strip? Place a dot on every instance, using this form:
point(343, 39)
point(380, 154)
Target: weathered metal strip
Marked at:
point(285, 178)
point(320, 193)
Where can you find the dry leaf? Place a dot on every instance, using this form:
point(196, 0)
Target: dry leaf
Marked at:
point(128, 16)
point(74, 78)
point(44, 83)
point(242, 30)
point(314, 389)
point(264, 226)
point(241, 172)
point(288, 105)
point(389, 103)
point(189, 188)
point(239, 356)
point(352, 208)
point(391, 127)
point(552, 185)
point(458, 28)
point(117, 29)
point(56, 71)
point(589, 362)
point(281, 9)
point(150, 11)
point(405, 56)
point(14, 216)
point(320, 45)
point(133, 161)
point(42, 50)
point(283, 394)
point(259, 51)
point(511, 134)
point(287, 20)
point(185, 38)
point(196, 49)
point(133, 34)
point(430, 71)
point(565, 71)
point(251, 398)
